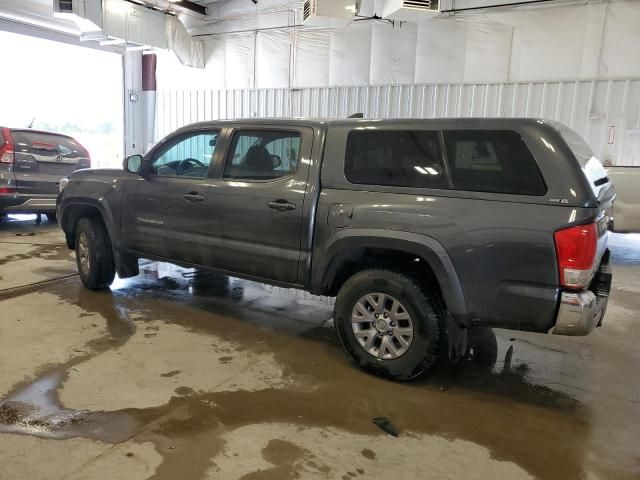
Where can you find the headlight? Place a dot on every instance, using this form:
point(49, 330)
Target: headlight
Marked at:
point(62, 184)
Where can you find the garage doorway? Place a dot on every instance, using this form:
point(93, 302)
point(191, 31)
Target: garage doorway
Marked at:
point(70, 89)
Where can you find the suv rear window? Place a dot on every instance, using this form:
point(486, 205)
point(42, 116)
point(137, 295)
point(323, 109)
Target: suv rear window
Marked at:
point(492, 161)
point(395, 157)
point(46, 144)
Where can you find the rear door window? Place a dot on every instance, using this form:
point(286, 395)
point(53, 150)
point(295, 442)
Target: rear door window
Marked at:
point(263, 154)
point(492, 161)
point(395, 157)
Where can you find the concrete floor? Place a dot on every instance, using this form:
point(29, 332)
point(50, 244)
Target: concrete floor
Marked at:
point(175, 374)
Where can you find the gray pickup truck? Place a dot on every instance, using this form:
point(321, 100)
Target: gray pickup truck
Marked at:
point(423, 229)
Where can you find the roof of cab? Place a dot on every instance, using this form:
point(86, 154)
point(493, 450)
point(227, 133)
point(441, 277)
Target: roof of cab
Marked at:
point(354, 122)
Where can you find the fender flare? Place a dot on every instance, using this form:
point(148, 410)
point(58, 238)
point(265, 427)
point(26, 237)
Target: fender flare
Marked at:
point(423, 246)
point(98, 204)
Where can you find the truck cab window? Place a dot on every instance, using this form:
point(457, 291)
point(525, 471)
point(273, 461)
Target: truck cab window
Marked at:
point(262, 155)
point(190, 156)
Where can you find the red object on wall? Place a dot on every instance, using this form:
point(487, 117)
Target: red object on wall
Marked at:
point(149, 72)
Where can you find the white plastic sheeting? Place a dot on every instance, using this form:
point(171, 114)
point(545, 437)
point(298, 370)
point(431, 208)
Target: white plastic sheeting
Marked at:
point(189, 51)
point(606, 113)
point(273, 57)
point(593, 41)
point(312, 52)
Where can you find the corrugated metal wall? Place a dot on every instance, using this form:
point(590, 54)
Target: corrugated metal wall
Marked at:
point(605, 113)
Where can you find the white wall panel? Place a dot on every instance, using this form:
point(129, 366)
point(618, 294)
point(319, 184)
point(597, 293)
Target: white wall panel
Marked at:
point(620, 52)
point(393, 53)
point(273, 56)
point(216, 66)
point(487, 52)
point(311, 65)
point(592, 108)
point(350, 55)
point(239, 63)
point(549, 41)
point(441, 51)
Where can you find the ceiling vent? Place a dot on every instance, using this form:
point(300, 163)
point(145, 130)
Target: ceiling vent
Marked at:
point(410, 10)
point(328, 13)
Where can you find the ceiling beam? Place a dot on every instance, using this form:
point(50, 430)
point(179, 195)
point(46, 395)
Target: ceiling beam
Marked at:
point(194, 7)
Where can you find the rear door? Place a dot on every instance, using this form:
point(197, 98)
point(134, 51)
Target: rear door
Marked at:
point(42, 159)
point(259, 201)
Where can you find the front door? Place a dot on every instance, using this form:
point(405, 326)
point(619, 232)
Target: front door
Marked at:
point(259, 203)
point(164, 212)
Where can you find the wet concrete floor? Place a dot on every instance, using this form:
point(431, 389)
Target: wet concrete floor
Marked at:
point(180, 374)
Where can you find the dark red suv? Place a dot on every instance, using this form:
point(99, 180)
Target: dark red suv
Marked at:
point(32, 163)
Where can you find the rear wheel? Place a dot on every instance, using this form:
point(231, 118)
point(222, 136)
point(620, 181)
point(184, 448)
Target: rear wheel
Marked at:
point(94, 256)
point(389, 324)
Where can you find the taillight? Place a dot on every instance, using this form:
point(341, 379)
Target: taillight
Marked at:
point(85, 162)
point(7, 189)
point(6, 150)
point(576, 251)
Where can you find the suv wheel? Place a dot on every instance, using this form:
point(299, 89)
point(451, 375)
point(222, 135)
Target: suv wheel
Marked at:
point(388, 324)
point(94, 255)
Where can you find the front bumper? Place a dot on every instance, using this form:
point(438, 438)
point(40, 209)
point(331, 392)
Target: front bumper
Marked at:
point(581, 312)
point(27, 203)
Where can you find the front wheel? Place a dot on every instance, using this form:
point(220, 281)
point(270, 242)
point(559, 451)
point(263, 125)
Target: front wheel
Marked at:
point(389, 324)
point(94, 256)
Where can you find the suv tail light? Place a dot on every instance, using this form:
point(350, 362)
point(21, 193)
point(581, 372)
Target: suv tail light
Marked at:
point(85, 162)
point(6, 148)
point(576, 252)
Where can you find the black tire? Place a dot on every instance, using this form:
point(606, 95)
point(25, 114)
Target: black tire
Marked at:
point(52, 217)
point(99, 271)
point(425, 350)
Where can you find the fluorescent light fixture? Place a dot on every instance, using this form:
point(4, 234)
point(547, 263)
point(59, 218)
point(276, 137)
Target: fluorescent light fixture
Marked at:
point(421, 170)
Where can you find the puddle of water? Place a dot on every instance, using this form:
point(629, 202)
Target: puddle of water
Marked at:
point(35, 410)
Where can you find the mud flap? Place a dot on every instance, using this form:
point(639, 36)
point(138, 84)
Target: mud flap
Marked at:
point(126, 265)
point(457, 339)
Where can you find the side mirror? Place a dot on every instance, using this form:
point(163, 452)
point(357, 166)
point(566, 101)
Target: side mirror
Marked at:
point(132, 163)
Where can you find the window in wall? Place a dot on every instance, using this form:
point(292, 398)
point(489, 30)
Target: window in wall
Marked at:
point(263, 155)
point(395, 157)
point(189, 157)
point(492, 161)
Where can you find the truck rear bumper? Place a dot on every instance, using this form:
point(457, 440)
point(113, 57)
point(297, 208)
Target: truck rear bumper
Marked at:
point(581, 312)
point(27, 203)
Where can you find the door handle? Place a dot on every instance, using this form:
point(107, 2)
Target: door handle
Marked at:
point(193, 197)
point(281, 205)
